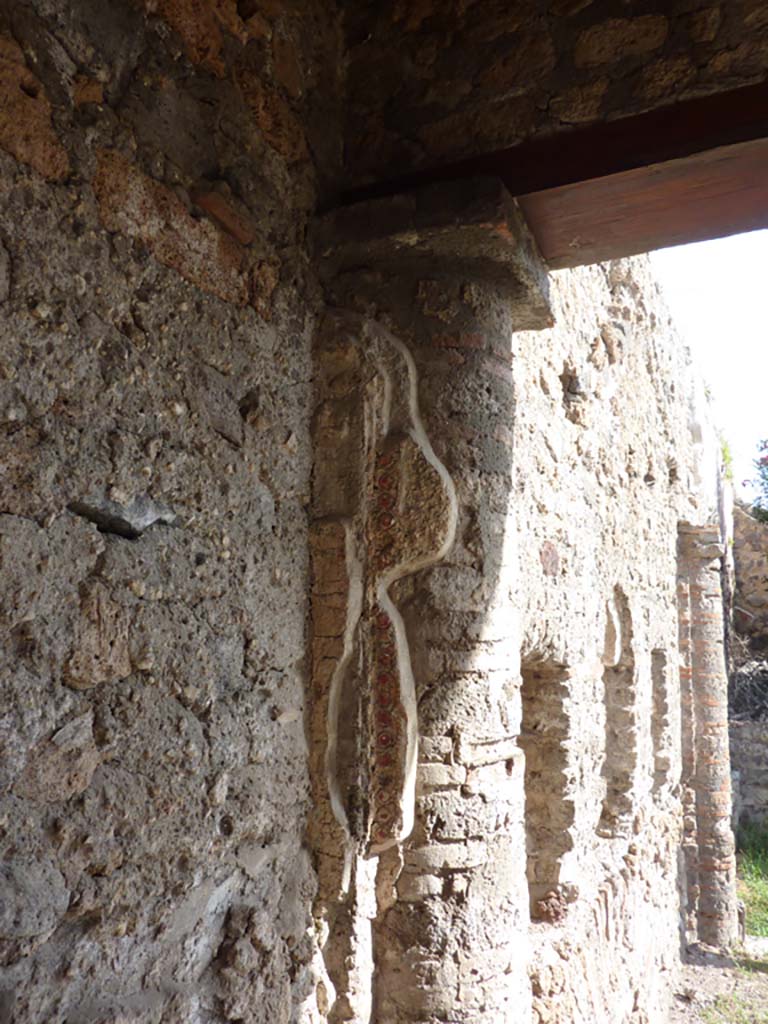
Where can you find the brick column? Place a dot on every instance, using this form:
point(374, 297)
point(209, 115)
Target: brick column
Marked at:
point(418, 352)
point(708, 762)
point(688, 753)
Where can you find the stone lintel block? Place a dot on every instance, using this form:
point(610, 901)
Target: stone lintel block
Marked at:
point(470, 230)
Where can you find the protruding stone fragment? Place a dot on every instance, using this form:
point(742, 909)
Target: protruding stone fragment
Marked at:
point(129, 520)
point(63, 766)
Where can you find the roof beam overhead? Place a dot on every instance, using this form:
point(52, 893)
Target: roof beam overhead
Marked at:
point(682, 173)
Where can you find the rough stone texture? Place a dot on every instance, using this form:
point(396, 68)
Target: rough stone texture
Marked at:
point(749, 678)
point(25, 122)
point(157, 313)
point(469, 76)
point(520, 639)
point(477, 816)
point(750, 602)
point(749, 741)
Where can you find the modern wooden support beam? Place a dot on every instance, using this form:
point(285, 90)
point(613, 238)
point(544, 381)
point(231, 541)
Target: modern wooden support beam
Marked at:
point(720, 192)
point(683, 173)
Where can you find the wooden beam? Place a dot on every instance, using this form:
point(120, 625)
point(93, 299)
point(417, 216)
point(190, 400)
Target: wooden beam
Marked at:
point(708, 195)
point(579, 154)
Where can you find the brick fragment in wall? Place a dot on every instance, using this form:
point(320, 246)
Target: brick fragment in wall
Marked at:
point(273, 118)
point(26, 131)
point(139, 207)
point(201, 25)
point(101, 652)
point(87, 90)
point(228, 213)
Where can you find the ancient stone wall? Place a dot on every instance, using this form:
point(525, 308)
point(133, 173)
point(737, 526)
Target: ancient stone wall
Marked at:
point(542, 877)
point(605, 453)
point(749, 680)
point(460, 800)
point(158, 163)
point(750, 552)
point(471, 76)
point(749, 742)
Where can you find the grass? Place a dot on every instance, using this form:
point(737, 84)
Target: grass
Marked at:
point(734, 1010)
point(736, 1007)
point(753, 877)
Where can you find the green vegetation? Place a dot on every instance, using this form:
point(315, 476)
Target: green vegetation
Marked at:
point(753, 877)
point(759, 509)
point(727, 456)
point(747, 1004)
point(734, 1010)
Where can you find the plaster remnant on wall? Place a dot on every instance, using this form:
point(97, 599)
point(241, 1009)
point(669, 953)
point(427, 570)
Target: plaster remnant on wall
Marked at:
point(392, 514)
point(402, 520)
